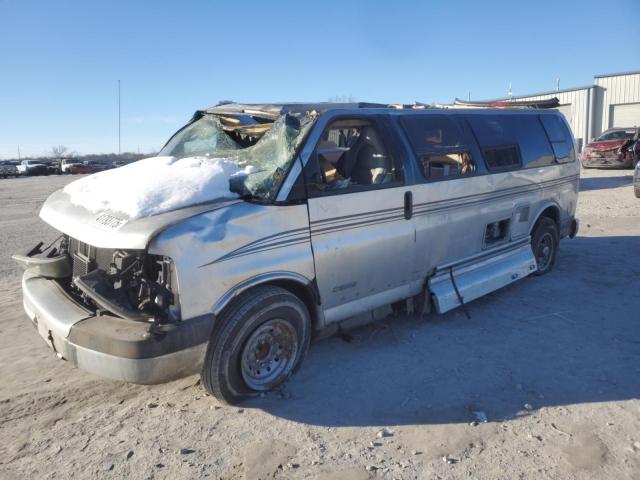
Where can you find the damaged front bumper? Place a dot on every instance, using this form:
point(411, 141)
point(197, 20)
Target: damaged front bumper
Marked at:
point(110, 346)
point(609, 161)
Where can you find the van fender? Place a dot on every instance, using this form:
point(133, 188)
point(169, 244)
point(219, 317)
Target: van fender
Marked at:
point(548, 204)
point(261, 279)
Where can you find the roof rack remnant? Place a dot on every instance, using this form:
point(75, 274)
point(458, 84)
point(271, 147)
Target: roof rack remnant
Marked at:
point(541, 104)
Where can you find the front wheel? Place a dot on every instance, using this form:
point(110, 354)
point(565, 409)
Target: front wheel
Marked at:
point(256, 344)
point(544, 243)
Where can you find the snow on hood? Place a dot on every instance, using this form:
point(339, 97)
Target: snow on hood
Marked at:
point(155, 185)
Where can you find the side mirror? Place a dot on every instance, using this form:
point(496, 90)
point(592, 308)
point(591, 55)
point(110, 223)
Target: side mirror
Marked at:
point(236, 184)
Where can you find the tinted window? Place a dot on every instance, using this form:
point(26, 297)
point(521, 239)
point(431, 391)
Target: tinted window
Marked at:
point(502, 158)
point(560, 138)
point(428, 133)
point(439, 145)
point(617, 135)
point(534, 145)
point(497, 139)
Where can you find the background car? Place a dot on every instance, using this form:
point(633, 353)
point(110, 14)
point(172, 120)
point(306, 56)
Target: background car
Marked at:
point(8, 168)
point(611, 149)
point(32, 167)
point(79, 168)
point(636, 180)
point(53, 167)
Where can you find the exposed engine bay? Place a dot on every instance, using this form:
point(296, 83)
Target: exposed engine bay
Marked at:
point(127, 283)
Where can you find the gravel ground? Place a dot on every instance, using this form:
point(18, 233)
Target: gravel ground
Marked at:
point(553, 363)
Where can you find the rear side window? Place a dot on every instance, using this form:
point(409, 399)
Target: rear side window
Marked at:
point(534, 145)
point(559, 137)
point(432, 132)
point(439, 145)
point(497, 140)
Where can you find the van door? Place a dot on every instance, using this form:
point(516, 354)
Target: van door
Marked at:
point(360, 215)
point(448, 212)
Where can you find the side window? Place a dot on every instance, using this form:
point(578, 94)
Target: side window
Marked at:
point(497, 140)
point(559, 137)
point(439, 145)
point(350, 155)
point(534, 145)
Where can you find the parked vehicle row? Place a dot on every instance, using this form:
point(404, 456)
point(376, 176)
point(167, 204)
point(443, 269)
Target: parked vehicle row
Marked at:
point(73, 166)
point(33, 167)
point(340, 209)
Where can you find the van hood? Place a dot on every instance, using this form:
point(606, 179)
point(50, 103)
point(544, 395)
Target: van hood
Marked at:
point(108, 229)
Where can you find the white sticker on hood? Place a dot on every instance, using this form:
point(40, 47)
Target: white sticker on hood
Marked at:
point(110, 221)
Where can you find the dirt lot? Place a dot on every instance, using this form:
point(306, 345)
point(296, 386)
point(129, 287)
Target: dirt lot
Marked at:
point(553, 362)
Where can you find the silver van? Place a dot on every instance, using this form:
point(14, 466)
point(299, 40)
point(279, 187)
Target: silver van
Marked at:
point(258, 227)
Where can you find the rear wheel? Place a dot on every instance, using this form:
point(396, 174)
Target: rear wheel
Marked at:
point(544, 243)
point(257, 343)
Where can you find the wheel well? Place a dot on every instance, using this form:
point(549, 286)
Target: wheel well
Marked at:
point(551, 212)
point(306, 293)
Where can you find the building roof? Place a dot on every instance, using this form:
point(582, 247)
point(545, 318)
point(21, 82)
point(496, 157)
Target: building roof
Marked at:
point(619, 74)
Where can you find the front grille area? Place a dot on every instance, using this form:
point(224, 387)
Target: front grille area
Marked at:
point(87, 258)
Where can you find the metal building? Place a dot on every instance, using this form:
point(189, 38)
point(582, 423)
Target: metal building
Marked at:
point(612, 101)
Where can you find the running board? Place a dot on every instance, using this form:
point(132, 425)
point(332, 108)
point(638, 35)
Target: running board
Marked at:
point(452, 285)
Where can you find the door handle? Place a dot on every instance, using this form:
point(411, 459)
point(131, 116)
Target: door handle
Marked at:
point(408, 205)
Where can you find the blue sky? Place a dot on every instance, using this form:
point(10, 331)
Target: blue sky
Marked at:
point(60, 60)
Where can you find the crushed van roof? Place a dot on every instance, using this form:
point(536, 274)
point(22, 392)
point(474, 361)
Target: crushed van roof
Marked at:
point(274, 110)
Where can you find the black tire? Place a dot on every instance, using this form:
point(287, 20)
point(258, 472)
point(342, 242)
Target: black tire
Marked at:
point(544, 243)
point(636, 190)
point(229, 371)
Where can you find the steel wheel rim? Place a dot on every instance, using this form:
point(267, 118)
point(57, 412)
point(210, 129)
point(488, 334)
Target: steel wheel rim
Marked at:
point(544, 251)
point(269, 354)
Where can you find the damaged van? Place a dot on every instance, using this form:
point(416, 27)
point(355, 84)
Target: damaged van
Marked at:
point(257, 227)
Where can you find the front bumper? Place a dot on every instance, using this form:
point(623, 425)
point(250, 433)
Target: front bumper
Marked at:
point(110, 346)
point(606, 162)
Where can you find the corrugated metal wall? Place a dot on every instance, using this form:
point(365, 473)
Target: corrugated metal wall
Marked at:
point(614, 90)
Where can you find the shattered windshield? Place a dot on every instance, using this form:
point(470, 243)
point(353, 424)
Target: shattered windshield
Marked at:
point(265, 162)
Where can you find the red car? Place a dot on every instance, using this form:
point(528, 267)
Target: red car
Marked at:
point(81, 168)
point(615, 148)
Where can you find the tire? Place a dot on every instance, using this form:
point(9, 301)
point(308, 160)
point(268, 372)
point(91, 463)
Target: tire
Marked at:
point(245, 357)
point(544, 243)
point(636, 190)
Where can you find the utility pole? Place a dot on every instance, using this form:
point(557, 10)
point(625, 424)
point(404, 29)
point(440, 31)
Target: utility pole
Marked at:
point(119, 130)
point(19, 157)
point(509, 92)
point(558, 84)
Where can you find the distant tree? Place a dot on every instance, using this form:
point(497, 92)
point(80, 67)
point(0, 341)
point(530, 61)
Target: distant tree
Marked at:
point(59, 151)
